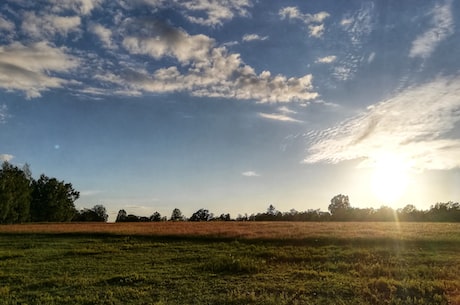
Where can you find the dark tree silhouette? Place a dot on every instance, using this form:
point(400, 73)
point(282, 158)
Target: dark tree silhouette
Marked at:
point(15, 193)
point(176, 215)
point(122, 216)
point(98, 214)
point(201, 215)
point(52, 200)
point(155, 217)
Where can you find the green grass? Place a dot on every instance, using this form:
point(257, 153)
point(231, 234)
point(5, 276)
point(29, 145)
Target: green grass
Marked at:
point(109, 269)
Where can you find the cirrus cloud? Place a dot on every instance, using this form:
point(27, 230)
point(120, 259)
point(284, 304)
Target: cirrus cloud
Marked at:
point(442, 27)
point(313, 21)
point(414, 124)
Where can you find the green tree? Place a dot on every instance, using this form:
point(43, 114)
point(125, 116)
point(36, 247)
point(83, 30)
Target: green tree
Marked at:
point(15, 193)
point(53, 200)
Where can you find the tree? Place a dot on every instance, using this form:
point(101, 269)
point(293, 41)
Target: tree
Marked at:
point(15, 193)
point(52, 200)
point(177, 215)
point(339, 206)
point(201, 215)
point(156, 217)
point(224, 217)
point(97, 214)
point(101, 212)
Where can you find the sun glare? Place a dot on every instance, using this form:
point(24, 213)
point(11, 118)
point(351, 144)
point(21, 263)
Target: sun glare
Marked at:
point(390, 178)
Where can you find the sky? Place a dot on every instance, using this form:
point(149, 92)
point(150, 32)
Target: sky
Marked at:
point(151, 105)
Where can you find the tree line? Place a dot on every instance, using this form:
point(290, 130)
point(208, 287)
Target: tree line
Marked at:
point(24, 199)
point(339, 209)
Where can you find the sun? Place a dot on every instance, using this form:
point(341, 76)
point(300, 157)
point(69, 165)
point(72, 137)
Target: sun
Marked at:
point(390, 178)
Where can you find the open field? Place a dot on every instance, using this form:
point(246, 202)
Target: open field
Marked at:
point(230, 263)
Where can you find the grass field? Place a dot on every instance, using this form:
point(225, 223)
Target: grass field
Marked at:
point(230, 263)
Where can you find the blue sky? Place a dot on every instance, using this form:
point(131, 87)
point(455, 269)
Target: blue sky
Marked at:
point(150, 105)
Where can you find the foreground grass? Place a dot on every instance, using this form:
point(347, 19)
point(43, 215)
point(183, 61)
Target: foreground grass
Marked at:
point(365, 266)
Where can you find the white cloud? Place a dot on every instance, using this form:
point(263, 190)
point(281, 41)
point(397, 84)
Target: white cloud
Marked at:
point(45, 26)
point(442, 27)
point(82, 7)
point(326, 59)
point(250, 174)
point(316, 30)
point(314, 22)
point(6, 157)
point(104, 34)
point(279, 117)
point(207, 12)
point(230, 43)
point(414, 125)
point(208, 70)
point(163, 40)
point(253, 37)
point(29, 68)
point(217, 11)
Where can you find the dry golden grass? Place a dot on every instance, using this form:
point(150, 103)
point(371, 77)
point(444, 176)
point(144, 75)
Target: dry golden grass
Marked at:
point(254, 230)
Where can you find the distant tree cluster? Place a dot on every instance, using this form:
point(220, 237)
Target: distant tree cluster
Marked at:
point(340, 209)
point(24, 199)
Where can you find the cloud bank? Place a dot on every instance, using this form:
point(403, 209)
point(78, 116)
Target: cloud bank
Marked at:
point(38, 57)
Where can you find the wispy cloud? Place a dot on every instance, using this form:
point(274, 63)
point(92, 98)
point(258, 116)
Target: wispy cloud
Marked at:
point(313, 21)
point(358, 27)
point(442, 27)
point(414, 124)
point(3, 113)
point(250, 174)
point(254, 37)
point(6, 157)
point(359, 24)
point(206, 12)
point(90, 192)
point(326, 59)
point(279, 117)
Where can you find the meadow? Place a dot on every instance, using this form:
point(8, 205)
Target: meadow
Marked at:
point(230, 263)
